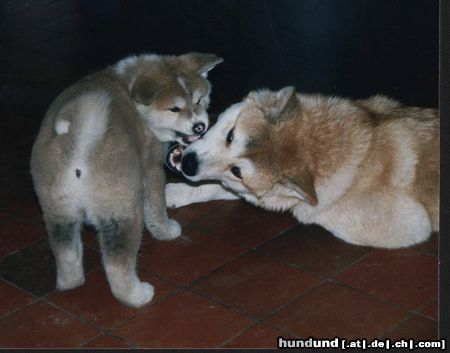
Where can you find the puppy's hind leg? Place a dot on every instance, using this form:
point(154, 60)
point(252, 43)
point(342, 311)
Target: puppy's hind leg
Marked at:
point(119, 241)
point(64, 236)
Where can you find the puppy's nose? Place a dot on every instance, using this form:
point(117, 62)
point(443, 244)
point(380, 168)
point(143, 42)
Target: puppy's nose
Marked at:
point(189, 164)
point(199, 128)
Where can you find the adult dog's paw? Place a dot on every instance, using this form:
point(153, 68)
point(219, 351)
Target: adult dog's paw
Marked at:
point(178, 194)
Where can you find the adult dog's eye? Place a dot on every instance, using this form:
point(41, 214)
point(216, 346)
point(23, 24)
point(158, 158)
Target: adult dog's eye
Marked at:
point(236, 172)
point(230, 136)
point(174, 109)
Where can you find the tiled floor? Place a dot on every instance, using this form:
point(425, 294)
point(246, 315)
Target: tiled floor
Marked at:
point(237, 277)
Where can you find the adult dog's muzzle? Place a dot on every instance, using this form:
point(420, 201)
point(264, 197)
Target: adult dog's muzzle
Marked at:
point(189, 164)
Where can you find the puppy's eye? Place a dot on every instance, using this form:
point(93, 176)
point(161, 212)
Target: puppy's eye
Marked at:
point(199, 100)
point(230, 136)
point(236, 172)
point(174, 109)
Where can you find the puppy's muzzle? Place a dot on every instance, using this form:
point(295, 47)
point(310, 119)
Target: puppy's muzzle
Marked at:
point(189, 164)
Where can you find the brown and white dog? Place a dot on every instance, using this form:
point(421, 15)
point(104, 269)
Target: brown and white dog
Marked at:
point(99, 155)
point(366, 170)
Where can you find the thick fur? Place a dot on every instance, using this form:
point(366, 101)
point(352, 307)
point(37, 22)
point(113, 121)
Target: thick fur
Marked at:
point(98, 159)
point(366, 170)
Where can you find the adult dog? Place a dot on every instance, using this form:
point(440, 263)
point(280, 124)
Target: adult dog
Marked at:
point(366, 170)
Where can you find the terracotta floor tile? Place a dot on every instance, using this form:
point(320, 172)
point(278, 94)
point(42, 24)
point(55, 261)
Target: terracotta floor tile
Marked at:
point(12, 298)
point(258, 336)
point(189, 213)
point(33, 269)
point(314, 248)
point(184, 320)
point(188, 257)
point(404, 276)
point(256, 284)
point(332, 310)
point(41, 325)
point(415, 327)
point(94, 302)
point(27, 208)
point(240, 222)
point(107, 341)
point(89, 238)
point(431, 309)
point(17, 233)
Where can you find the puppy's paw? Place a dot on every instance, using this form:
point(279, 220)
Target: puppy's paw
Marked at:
point(170, 231)
point(178, 195)
point(140, 294)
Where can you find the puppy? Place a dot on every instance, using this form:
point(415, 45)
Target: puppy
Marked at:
point(366, 170)
point(98, 159)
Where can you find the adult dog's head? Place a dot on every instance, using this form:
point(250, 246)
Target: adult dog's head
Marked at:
point(170, 92)
point(253, 149)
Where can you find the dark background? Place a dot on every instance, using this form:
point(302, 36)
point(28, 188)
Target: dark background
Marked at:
point(349, 48)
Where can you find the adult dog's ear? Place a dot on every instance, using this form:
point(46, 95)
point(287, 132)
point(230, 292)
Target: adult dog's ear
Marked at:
point(145, 90)
point(275, 105)
point(286, 101)
point(200, 62)
point(302, 188)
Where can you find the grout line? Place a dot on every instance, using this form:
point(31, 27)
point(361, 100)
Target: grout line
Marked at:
point(221, 267)
point(139, 312)
point(285, 305)
point(290, 264)
point(195, 218)
point(351, 265)
point(75, 316)
point(394, 326)
point(373, 296)
point(124, 340)
point(237, 335)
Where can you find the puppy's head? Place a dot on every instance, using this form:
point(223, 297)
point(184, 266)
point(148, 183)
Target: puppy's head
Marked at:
point(252, 150)
point(171, 93)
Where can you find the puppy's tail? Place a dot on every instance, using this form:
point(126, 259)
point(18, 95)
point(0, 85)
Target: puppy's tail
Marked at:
point(85, 120)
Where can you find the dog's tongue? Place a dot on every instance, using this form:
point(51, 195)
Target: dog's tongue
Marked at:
point(191, 139)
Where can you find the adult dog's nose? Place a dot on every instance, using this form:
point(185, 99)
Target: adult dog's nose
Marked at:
point(189, 164)
point(199, 128)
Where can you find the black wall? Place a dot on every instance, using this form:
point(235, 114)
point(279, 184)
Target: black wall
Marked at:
point(342, 47)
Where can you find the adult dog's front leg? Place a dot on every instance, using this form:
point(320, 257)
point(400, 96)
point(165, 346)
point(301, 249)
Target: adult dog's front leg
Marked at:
point(155, 212)
point(181, 194)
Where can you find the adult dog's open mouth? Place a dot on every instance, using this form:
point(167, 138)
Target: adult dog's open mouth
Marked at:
point(175, 152)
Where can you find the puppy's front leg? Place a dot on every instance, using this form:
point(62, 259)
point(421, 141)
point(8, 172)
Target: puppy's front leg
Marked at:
point(155, 213)
point(181, 194)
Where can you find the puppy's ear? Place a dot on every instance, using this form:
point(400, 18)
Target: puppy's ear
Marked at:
point(302, 188)
point(200, 63)
point(145, 90)
point(275, 105)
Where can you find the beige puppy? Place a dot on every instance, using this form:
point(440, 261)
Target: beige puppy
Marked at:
point(98, 159)
point(366, 170)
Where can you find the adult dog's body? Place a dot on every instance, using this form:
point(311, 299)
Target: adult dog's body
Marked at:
point(367, 170)
point(98, 159)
